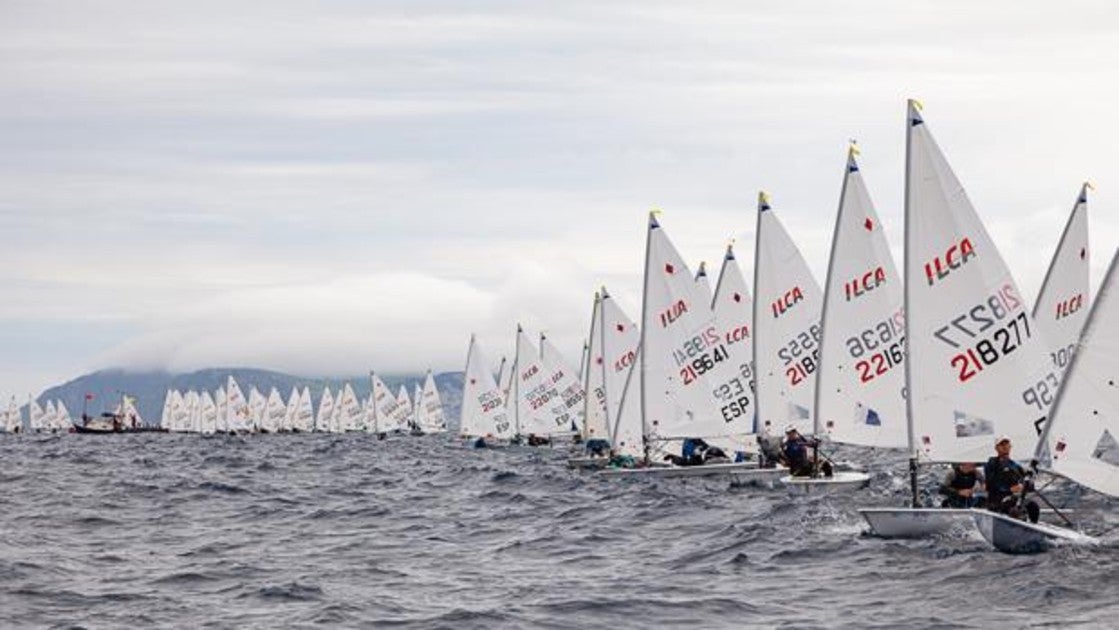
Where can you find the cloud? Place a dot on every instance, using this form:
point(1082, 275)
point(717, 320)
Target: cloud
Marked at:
point(187, 175)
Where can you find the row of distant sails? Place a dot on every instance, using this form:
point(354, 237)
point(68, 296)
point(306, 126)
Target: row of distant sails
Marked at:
point(938, 364)
point(229, 410)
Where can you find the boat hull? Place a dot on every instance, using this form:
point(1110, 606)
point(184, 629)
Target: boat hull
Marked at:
point(708, 470)
point(104, 431)
point(587, 463)
point(1010, 535)
point(841, 481)
point(913, 522)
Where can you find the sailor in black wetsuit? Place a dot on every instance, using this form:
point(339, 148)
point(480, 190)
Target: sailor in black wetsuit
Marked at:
point(794, 453)
point(959, 486)
point(1007, 483)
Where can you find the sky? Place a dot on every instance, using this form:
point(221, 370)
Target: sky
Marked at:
point(330, 187)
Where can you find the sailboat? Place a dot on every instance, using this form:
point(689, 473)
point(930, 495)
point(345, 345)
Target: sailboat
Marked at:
point(483, 412)
point(406, 409)
point(303, 420)
point(535, 400)
point(1080, 435)
point(326, 410)
point(690, 383)
point(1062, 304)
point(596, 431)
point(566, 381)
point(974, 359)
point(13, 421)
point(430, 417)
point(860, 381)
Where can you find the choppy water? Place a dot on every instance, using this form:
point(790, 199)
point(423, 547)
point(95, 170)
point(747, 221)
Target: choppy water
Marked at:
point(175, 530)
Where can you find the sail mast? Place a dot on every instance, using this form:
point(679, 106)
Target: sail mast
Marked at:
point(912, 119)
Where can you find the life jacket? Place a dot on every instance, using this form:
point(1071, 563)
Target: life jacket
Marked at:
point(1002, 475)
point(796, 452)
point(962, 480)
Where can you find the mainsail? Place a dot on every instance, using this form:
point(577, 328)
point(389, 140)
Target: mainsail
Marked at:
point(619, 339)
point(860, 388)
point(326, 410)
point(692, 382)
point(787, 307)
point(483, 406)
point(1062, 303)
point(979, 367)
point(1081, 435)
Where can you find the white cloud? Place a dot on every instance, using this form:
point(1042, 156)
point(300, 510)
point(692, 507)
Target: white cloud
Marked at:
point(193, 172)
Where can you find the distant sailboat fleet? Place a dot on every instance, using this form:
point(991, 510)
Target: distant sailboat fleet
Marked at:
point(944, 364)
point(228, 410)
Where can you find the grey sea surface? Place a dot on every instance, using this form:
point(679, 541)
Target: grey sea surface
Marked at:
point(161, 530)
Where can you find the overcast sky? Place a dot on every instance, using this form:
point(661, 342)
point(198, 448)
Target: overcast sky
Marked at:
point(330, 187)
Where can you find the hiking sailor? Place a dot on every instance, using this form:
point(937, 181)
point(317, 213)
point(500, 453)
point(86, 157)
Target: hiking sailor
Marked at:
point(794, 455)
point(1007, 484)
point(959, 486)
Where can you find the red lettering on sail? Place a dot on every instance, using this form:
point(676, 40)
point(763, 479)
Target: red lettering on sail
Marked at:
point(860, 286)
point(1070, 306)
point(673, 313)
point(954, 257)
point(782, 304)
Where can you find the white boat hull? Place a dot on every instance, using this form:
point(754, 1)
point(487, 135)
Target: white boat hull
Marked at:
point(913, 522)
point(587, 463)
point(708, 470)
point(1010, 535)
point(840, 481)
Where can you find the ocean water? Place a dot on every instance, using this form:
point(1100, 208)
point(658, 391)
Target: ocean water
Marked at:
point(313, 530)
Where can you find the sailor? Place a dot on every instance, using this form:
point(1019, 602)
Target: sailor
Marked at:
point(959, 486)
point(794, 453)
point(618, 460)
point(693, 451)
point(1007, 483)
point(769, 447)
point(478, 443)
point(597, 447)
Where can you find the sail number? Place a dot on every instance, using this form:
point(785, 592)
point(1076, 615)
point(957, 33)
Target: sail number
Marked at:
point(1063, 356)
point(881, 362)
point(959, 331)
point(1042, 393)
point(988, 351)
point(703, 364)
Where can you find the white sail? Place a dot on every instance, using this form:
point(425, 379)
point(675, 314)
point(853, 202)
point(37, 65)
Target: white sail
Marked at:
point(34, 415)
point(860, 387)
point(192, 417)
point(566, 380)
point(535, 399)
point(619, 338)
point(178, 413)
point(326, 411)
point(291, 411)
point(165, 419)
point(418, 420)
point(274, 412)
point(386, 409)
point(483, 410)
point(1062, 304)
point(406, 412)
point(14, 420)
point(50, 417)
point(433, 418)
point(207, 414)
point(786, 326)
point(628, 431)
point(690, 378)
point(703, 285)
point(257, 403)
point(63, 416)
point(304, 419)
point(1084, 427)
point(734, 311)
point(978, 366)
point(350, 412)
point(238, 414)
point(595, 426)
point(130, 415)
point(222, 403)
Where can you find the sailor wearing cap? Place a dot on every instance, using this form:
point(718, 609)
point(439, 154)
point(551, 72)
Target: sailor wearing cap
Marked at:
point(1006, 482)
